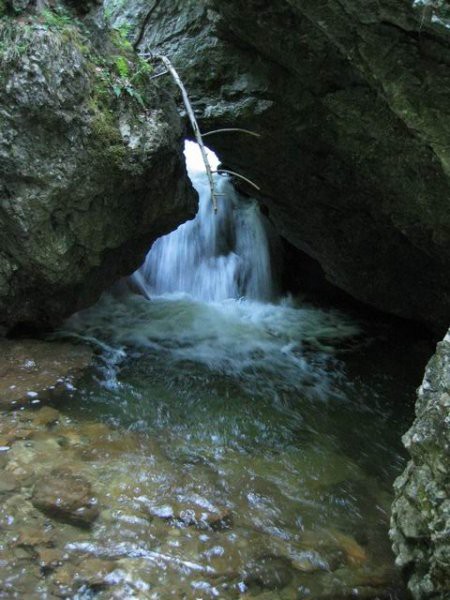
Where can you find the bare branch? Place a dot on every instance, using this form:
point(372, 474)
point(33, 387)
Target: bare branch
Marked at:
point(159, 75)
point(231, 129)
point(195, 127)
point(240, 177)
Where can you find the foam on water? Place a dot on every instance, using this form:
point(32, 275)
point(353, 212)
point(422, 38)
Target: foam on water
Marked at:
point(248, 339)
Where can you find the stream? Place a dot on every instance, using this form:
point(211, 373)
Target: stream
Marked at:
point(237, 443)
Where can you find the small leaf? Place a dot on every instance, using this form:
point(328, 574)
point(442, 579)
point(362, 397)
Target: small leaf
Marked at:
point(117, 90)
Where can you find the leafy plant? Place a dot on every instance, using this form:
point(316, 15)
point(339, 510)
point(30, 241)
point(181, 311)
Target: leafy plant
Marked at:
point(56, 19)
point(122, 67)
point(14, 41)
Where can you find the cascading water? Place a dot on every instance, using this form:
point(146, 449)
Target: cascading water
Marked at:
point(208, 295)
point(215, 256)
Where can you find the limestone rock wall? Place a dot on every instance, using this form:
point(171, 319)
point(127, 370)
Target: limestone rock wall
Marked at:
point(91, 165)
point(420, 522)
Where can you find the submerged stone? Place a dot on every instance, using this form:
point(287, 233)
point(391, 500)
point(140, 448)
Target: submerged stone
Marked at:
point(179, 514)
point(46, 416)
point(33, 536)
point(66, 496)
point(49, 558)
point(8, 483)
point(29, 367)
point(269, 572)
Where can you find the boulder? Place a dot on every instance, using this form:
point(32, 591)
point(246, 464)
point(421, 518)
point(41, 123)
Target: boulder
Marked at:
point(91, 164)
point(269, 573)
point(420, 522)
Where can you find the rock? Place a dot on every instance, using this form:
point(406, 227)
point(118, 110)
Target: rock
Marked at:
point(310, 561)
point(92, 572)
point(332, 111)
point(354, 552)
point(8, 483)
point(269, 572)
point(29, 367)
point(420, 522)
point(31, 537)
point(91, 164)
point(220, 521)
point(46, 416)
point(49, 559)
point(180, 514)
point(67, 497)
point(347, 583)
point(365, 593)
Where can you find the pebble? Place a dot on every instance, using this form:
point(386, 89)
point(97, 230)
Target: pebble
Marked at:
point(46, 416)
point(8, 483)
point(269, 572)
point(66, 496)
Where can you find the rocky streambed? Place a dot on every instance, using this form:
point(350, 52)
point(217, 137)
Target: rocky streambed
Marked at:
point(92, 510)
point(148, 476)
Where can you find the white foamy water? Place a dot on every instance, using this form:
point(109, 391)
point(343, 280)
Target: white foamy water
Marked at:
point(215, 256)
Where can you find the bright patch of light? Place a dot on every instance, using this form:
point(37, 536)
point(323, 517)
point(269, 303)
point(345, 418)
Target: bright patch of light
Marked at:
point(194, 161)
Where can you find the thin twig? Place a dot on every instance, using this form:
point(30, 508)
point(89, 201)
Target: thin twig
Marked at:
point(227, 129)
point(159, 75)
point(195, 127)
point(238, 175)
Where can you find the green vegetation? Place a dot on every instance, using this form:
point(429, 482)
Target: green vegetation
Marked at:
point(122, 72)
point(15, 40)
point(115, 71)
point(18, 37)
point(57, 19)
point(118, 71)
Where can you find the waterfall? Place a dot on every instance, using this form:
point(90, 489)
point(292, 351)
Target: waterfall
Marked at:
point(208, 297)
point(216, 256)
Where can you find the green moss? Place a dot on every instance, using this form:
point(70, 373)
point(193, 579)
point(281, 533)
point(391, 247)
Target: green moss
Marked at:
point(15, 40)
point(122, 76)
point(108, 145)
point(122, 67)
point(105, 129)
point(56, 18)
point(117, 74)
point(119, 37)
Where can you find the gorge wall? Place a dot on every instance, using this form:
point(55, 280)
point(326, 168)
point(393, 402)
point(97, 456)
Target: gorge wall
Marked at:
point(351, 99)
point(420, 522)
point(91, 164)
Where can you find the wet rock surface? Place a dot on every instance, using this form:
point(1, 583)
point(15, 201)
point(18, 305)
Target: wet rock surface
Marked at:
point(91, 165)
point(353, 162)
point(420, 524)
point(269, 572)
point(30, 367)
point(66, 496)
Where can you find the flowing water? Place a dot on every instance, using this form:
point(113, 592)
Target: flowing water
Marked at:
point(239, 444)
